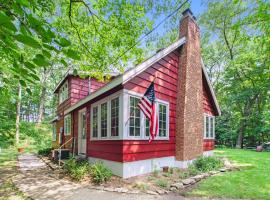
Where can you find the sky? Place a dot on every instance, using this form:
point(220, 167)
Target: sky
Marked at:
point(197, 7)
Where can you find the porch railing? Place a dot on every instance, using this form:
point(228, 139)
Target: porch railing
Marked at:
point(60, 149)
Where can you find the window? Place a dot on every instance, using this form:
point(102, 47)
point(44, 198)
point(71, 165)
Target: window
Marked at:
point(54, 132)
point(162, 120)
point(83, 123)
point(104, 124)
point(105, 118)
point(95, 122)
point(209, 127)
point(67, 125)
point(147, 130)
point(134, 117)
point(115, 117)
point(63, 92)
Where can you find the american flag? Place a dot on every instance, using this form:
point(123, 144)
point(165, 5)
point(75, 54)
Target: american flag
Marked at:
point(148, 106)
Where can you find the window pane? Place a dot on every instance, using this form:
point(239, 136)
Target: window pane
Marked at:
point(147, 127)
point(83, 125)
point(207, 127)
point(104, 120)
point(212, 127)
point(134, 117)
point(162, 120)
point(95, 122)
point(115, 117)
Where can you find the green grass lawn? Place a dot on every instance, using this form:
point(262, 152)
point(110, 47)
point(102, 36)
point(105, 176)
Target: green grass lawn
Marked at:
point(252, 182)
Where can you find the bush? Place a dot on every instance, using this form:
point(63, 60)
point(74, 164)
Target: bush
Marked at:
point(45, 151)
point(77, 170)
point(162, 183)
point(100, 173)
point(205, 164)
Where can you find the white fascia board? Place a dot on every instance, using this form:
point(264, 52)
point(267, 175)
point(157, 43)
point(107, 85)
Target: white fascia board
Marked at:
point(211, 88)
point(141, 67)
point(121, 79)
point(61, 81)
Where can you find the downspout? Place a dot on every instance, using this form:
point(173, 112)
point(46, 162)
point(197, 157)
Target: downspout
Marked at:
point(89, 85)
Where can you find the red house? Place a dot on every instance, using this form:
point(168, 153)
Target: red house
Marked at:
point(104, 123)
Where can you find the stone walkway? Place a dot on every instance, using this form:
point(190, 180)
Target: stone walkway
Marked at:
point(38, 181)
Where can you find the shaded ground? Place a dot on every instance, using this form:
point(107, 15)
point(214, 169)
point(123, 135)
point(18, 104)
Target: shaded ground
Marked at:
point(39, 182)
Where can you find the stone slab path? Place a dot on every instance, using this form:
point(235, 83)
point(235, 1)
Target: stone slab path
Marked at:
point(39, 182)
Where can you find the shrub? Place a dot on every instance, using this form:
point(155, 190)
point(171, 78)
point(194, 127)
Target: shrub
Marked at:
point(141, 186)
point(100, 173)
point(162, 183)
point(192, 170)
point(45, 151)
point(205, 164)
point(77, 170)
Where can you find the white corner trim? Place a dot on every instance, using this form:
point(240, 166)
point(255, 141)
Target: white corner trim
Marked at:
point(211, 88)
point(208, 153)
point(129, 74)
point(183, 163)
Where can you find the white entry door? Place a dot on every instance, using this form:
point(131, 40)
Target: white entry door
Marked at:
point(82, 133)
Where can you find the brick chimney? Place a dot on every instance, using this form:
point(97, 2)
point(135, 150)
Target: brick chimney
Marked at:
point(189, 117)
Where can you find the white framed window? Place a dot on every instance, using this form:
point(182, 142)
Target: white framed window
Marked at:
point(63, 92)
point(163, 120)
point(209, 126)
point(138, 124)
point(134, 117)
point(115, 117)
point(105, 118)
point(67, 124)
point(54, 131)
point(94, 121)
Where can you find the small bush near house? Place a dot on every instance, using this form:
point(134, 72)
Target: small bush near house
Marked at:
point(100, 173)
point(77, 170)
point(162, 183)
point(141, 186)
point(45, 151)
point(205, 164)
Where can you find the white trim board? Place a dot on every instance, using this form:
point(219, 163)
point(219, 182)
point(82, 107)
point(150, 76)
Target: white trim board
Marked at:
point(121, 79)
point(211, 88)
point(140, 167)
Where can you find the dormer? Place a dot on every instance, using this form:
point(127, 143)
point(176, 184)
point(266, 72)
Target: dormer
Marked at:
point(72, 88)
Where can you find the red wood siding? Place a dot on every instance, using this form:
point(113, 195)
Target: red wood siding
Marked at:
point(208, 144)
point(166, 71)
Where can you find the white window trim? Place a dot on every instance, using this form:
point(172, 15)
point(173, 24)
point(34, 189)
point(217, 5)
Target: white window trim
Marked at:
point(120, 118)
point(127, 94)
point(60, 96)
point(208, 117)
point(66, 117)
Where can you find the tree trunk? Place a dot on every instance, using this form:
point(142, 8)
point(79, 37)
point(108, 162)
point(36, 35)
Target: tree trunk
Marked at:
point(18, 112)
point(41, 104)
point(239, 142)
point(43, 92)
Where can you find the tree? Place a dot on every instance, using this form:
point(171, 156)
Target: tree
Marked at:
point(243, 81)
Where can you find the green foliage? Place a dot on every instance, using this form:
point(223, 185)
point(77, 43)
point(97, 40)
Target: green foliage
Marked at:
point(162, 183)
point(141, 186)
point(206, 164)
point(235, 48)
point(76, 170)
point(100, 173)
